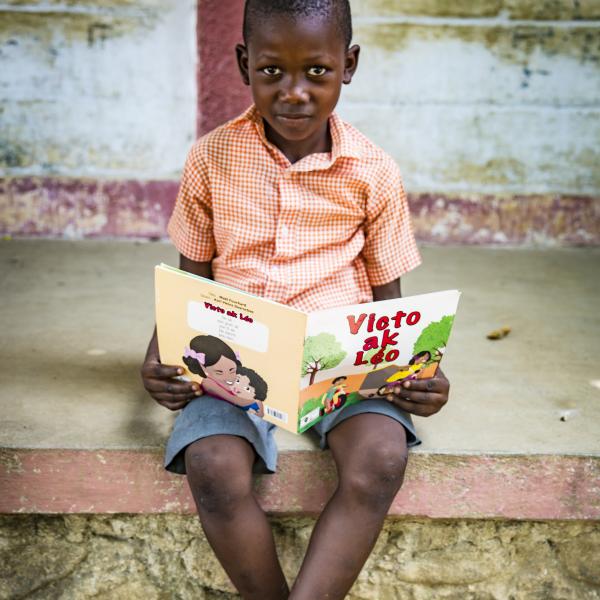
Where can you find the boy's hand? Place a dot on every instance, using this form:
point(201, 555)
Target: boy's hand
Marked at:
point(422, 397)
point(159, 380)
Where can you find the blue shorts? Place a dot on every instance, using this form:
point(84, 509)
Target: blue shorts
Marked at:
point(205, 416)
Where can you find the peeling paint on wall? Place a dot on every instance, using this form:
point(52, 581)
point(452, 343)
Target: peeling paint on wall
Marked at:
point(509, 9)
point(492, 107)
point(458, 149)
point(98, 89)
point(482, 108)
point(509, 42)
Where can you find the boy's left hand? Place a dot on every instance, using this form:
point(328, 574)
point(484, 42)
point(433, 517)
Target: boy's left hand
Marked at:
point(422, 397)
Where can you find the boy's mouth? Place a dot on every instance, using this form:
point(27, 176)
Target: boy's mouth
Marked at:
point(292, 116)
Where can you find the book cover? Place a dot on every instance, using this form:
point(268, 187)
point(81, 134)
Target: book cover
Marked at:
point(289, 367)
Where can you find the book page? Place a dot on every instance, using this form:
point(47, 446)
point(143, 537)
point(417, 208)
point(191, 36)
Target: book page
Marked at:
point(358, 352)
point(258, 342)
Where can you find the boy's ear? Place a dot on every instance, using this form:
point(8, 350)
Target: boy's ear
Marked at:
point(242, 60)
point(351, 63)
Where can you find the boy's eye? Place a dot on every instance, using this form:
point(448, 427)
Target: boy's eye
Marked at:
point(271, 71)
point(317, 71)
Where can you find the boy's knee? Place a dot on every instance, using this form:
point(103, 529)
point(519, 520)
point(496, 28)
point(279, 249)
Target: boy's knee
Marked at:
point(218, 480)
point(378, 477)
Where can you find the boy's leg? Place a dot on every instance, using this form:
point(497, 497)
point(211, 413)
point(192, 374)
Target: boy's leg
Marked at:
point(219, 470)
point(370, 454)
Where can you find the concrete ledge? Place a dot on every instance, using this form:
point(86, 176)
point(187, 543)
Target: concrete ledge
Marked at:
point(519, 439)
point(436, 485)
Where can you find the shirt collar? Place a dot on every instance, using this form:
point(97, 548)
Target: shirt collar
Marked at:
point(341, 144)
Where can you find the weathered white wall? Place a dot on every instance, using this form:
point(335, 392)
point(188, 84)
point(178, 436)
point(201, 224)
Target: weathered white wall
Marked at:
point(490, 107)
point(482, 97)
point(97, 89)
point(494, 96)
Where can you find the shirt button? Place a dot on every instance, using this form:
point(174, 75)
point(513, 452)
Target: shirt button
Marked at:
point(284, 231)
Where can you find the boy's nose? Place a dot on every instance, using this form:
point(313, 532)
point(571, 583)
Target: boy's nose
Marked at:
point(294, 93)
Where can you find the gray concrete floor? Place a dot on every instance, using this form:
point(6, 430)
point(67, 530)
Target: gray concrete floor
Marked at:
point(75, 319)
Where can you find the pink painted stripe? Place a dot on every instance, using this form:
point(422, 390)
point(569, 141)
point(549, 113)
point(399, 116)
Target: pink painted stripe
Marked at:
point(502, 219)
point(87, 208)
point(56, 207)
point(436, 486)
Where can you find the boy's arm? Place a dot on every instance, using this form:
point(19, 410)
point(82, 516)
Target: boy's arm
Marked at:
point(388, 291)
point(158, 379)
point(422, 397)
point(204, 269)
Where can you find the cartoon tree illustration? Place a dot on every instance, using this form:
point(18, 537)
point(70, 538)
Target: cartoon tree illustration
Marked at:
point(434, 337)
point(321, 352)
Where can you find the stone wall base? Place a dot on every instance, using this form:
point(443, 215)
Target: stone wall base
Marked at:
point(125, 557)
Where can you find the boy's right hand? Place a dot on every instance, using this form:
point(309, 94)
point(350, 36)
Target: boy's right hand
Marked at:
point(159, 380)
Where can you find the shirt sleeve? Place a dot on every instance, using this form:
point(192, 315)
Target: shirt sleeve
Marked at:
point(191, 224)
point(390, 248)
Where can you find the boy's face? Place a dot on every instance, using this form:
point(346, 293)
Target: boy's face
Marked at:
point(296, 69)
point(243, 389)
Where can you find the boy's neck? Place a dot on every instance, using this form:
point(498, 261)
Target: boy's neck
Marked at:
point(295, 150)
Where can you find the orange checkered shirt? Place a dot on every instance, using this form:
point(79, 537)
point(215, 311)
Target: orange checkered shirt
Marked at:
point(314, 234)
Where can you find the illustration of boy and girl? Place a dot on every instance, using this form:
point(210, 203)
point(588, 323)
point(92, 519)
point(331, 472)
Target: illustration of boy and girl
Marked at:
point(336, 395)
point(223, 374)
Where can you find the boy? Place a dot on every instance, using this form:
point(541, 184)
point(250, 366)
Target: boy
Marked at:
point(289, 202)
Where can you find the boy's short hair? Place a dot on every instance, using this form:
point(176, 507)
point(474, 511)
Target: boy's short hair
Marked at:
point(339, 10)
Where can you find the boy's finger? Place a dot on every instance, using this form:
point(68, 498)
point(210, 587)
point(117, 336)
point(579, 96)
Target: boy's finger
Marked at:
point(422, 385)
point(161, 371)
point(414, 408)
point(171, 386)
point(177, 397)
point(422, 397)
point(425, 385)
point(178, 387)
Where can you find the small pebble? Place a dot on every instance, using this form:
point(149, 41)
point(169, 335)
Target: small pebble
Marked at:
point(498, 334)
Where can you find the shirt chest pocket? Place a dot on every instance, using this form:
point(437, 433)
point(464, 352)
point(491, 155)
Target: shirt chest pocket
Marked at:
point(242, 215)
point(329, 213)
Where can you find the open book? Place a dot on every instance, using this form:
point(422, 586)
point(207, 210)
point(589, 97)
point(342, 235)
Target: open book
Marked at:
point(289, 367)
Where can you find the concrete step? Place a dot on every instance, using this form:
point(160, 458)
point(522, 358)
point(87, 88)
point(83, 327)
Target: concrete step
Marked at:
point(520, 437)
